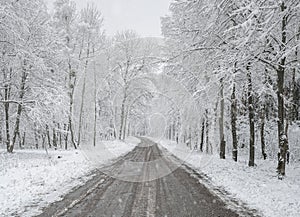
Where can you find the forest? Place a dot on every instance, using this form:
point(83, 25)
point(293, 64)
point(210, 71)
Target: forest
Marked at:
point(224, 78)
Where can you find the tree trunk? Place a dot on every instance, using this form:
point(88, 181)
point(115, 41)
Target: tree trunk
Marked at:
point(174, 130)
point(6, 112)
point(202, 135)
point(295, 98)
point(83, 94)
point(125, 124)
point(114, 123)
point(190, 138)
point(95, 104)
point(20, 141)
point(177, 129)
point(23, 139)
point(251, 119)
point(208, 144)
point(60, 135)
point(7, 93)
point(280, 95)
point(233, 124)
point(262, 133)
point(72, 82)
point(43, 140)
point(171, 131)
point(122, 117)
point(36, 137)
point(221, 122)
point(66, 130)
point(48, 136)
point(95, 126)
point(19, 109)
point(54, 138)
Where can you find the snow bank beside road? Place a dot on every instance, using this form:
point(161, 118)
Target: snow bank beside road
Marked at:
point(258, 187)
point(31, 179)
point(107, 151)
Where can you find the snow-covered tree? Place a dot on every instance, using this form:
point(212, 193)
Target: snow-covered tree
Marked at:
point(248, 46)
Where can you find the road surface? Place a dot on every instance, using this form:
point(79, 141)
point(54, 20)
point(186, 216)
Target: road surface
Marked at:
point(146, 182)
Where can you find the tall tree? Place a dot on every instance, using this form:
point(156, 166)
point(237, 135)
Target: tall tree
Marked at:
point(91, 33)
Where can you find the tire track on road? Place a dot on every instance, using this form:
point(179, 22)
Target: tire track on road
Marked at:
point(146, 182)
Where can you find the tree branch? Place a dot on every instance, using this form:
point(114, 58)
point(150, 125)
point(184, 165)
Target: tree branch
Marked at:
point(17, 102)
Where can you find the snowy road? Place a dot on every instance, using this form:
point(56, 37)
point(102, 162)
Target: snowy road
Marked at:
point(146, 182)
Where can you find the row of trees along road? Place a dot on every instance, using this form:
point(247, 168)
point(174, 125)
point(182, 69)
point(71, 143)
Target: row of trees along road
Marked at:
point(249, 51)
point(63, 81)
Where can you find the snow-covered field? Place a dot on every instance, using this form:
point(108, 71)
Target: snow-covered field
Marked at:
point(31, 179)
point(258, 187)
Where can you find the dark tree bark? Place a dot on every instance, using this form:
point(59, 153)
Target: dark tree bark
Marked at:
point(48, 136)
point(72, 82)
point(171, 131)
point(7, 75)
point(251, 119)
point(221, 121)
point(283, 143)
point(262, 132)
point(174, 130)
point(36, 140)
point(125, 124)
point(177, 129)
point(20, 141)
point(190, 138)
point(54, 139)
point(23, 139)
point(208, 144)
point(202, 135)
point(43, 140)
point(122, 115)
point(233, 124)
point(6, 114)
point(66, 130)
point(59, 135)
point(295, 98)
point(20, 107)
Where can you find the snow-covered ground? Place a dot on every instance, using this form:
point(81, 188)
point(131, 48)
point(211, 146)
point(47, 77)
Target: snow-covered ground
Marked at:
point(258, 187)
point(31, 179)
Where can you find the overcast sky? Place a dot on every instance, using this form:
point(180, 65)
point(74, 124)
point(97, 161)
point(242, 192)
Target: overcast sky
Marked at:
point(143, 16)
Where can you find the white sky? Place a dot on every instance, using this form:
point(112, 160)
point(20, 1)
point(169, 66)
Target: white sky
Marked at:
point(143, 16)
